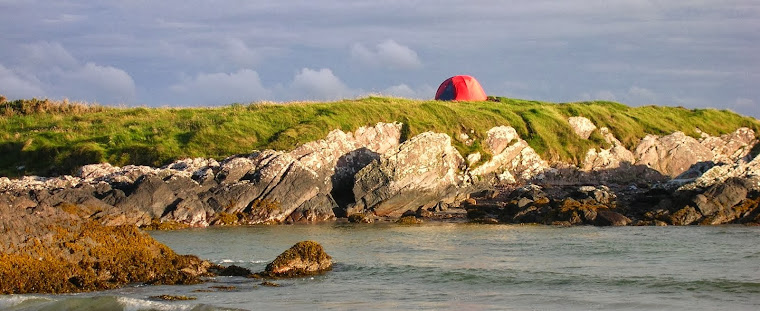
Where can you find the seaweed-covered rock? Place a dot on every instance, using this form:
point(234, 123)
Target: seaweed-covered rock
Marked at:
point(303, 258)
point(53, 250)
point(409, 220)
point(234, 270)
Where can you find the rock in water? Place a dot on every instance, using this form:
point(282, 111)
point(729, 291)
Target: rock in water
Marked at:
point(303, 258)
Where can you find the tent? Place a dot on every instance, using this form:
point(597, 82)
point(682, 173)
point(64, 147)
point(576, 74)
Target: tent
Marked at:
point(460, 88)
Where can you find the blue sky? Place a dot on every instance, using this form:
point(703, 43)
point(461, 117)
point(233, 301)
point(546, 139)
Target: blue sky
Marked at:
point(695, 54)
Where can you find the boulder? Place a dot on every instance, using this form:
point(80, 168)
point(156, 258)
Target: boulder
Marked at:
point(717, 203)
point(685, 216)
point(151, 197)
point(672, 154)
point(302, 259)
point(418, 174)
point(606, 217)
point(606, 159)
point(498, 138)
point(513, 159)
point(583, 127)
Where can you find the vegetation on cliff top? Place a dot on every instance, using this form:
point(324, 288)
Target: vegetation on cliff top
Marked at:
point(47, 137)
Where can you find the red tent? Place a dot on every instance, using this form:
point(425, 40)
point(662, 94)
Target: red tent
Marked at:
point(460, 88)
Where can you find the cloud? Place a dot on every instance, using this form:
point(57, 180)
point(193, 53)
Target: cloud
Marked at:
point(47, 69)
point(240, 53)
point(599, 95)
point(640, 96)
point(319, 84)
point(746, 106)
point(387, 54)
point(220, 89)
point(45, 55)
point(405, 91)
point(95, 83)
point(634, 96)
point(14, 86)
point(744, 103)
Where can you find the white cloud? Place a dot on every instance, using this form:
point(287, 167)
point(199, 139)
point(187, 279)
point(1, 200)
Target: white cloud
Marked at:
point(744, 103)
point(319, 85)
point(93, 82)
point(220, 89)
point(405, 91)
point(387, 54)
point(43, 56)
point(14, 86)
point(640, 96)
point(47, 69)
point(746, 106)
point(599, 95)
point(634, 96)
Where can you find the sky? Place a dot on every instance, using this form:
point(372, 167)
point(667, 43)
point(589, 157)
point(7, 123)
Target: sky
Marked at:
point(695, 54)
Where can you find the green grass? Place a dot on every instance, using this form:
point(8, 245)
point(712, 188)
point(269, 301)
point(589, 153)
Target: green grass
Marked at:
point(47, 137)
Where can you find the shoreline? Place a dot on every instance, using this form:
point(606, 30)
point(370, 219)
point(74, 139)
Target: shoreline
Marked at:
point(89, 223)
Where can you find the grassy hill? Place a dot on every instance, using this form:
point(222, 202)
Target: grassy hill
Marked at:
point(49, 137)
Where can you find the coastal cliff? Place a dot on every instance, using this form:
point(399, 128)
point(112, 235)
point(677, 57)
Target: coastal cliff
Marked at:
point(684, 180)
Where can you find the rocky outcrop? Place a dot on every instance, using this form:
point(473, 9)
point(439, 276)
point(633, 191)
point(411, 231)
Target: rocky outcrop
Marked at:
point(672, 154)
point(680, 156)
point(307, 184)
point(369, 173)
point(513, 160)
point(302, 259)
point(730, 147)
point(614, 157)
point(585, 205)
point(418, 174)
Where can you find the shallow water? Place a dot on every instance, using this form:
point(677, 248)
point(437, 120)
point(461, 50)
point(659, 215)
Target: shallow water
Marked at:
point(460, 267)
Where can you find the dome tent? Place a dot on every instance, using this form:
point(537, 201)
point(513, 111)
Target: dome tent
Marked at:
point(460, 88)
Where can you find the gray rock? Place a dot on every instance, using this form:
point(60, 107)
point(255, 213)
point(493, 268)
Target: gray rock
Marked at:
point(583, 127)
point(672, 154)
point(149, 200)
point(420, 173)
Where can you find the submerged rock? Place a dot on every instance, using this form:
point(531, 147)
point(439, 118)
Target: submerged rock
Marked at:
point(302, 259)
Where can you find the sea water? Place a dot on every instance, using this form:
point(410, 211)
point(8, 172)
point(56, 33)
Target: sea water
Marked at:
point(447, 266)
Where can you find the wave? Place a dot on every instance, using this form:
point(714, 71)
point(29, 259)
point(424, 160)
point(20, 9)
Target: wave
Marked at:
point(226, 261)
point(35, 303)
point(547, 279)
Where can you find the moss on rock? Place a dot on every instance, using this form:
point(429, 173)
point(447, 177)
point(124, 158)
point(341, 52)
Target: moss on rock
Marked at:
point(60, 253)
